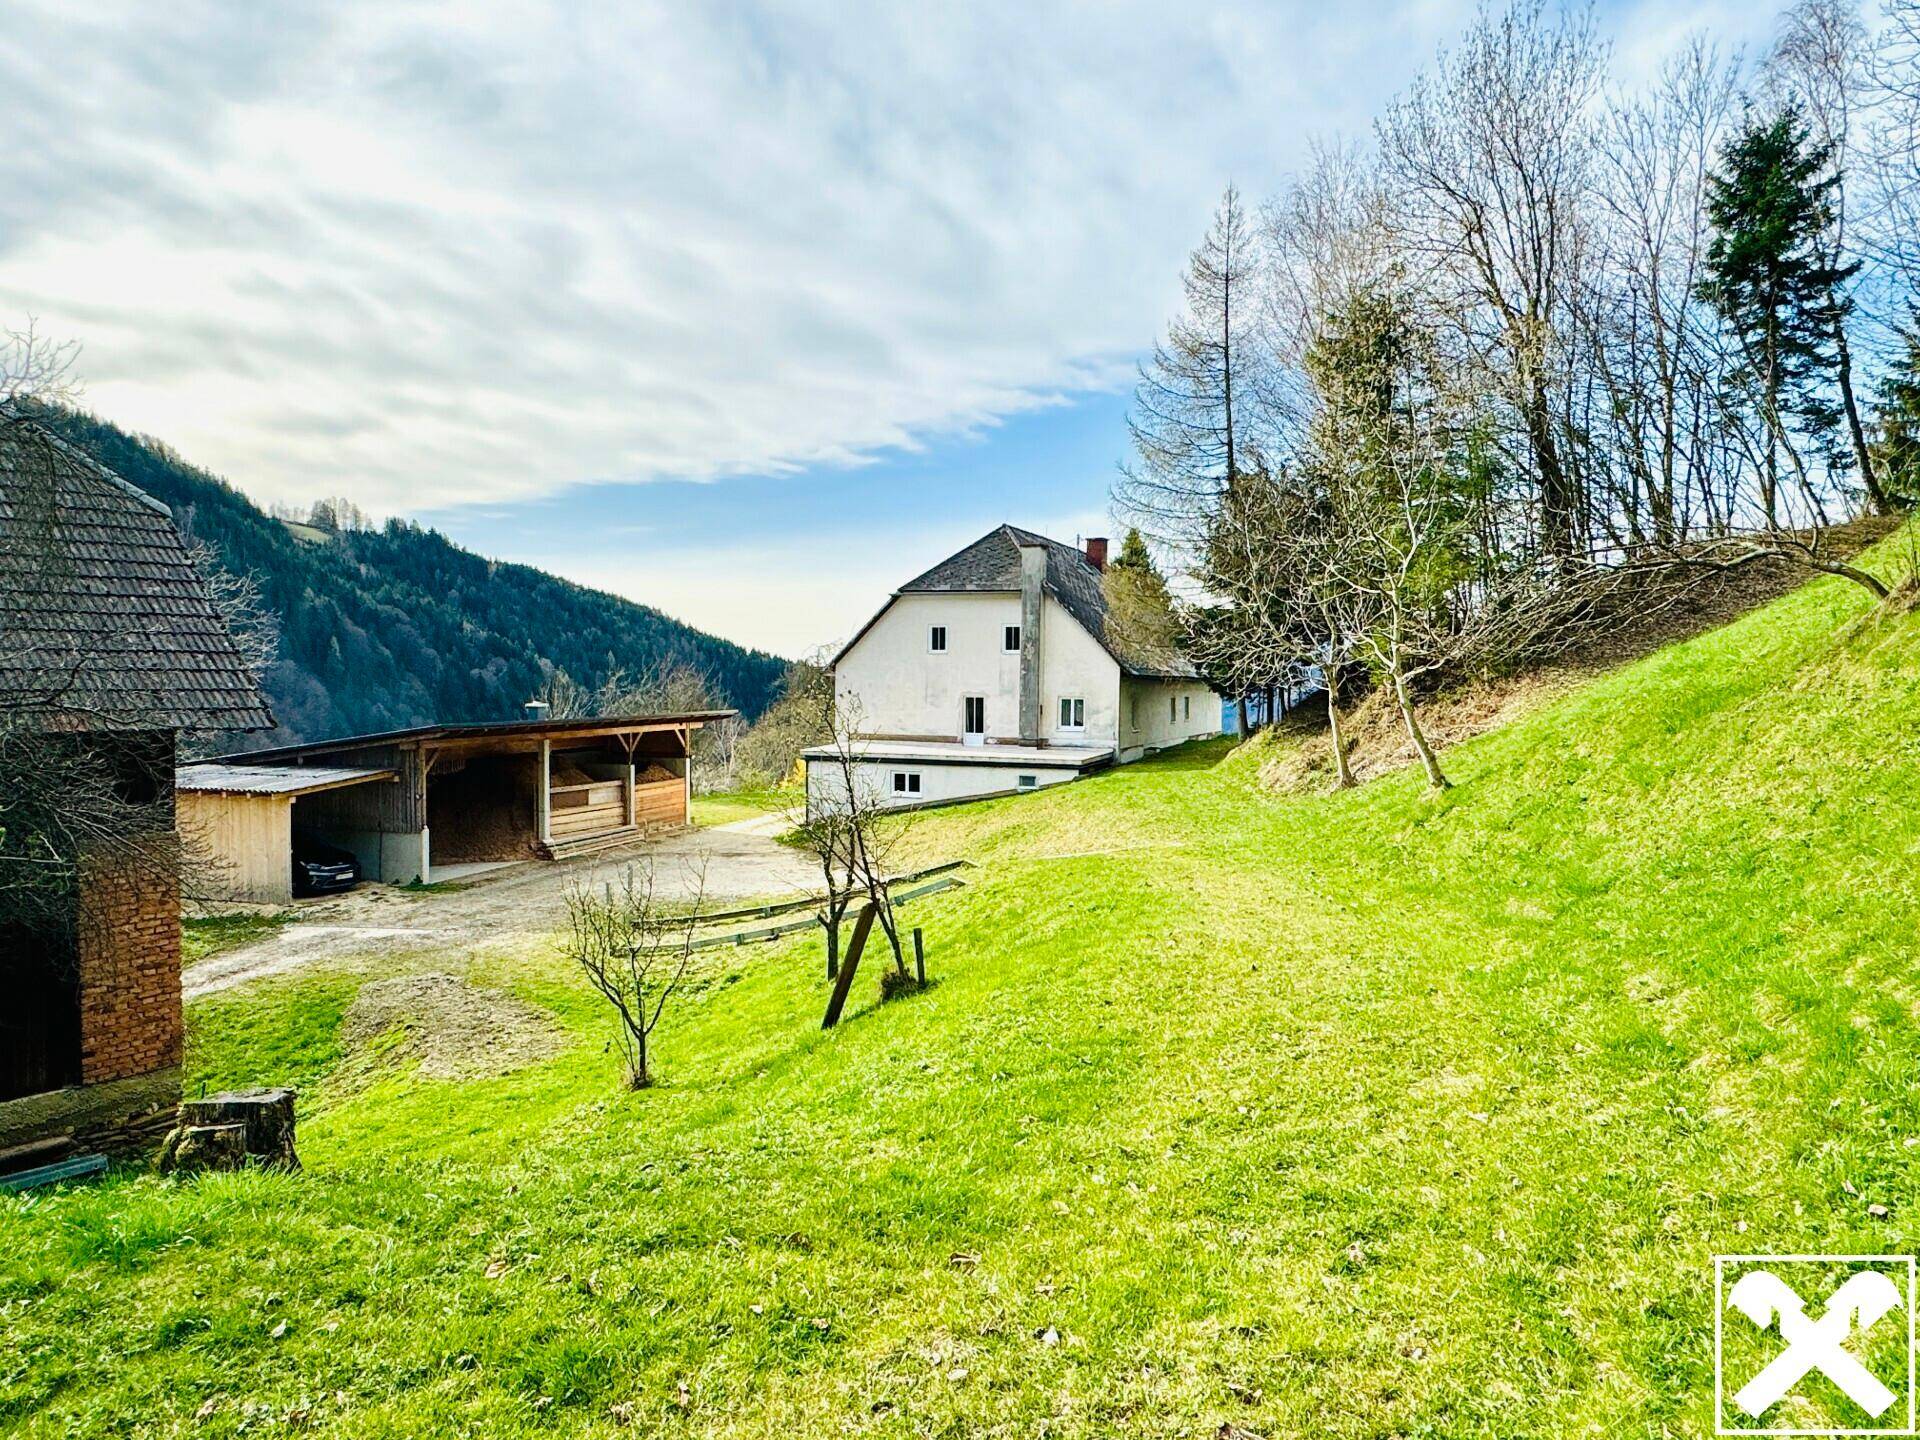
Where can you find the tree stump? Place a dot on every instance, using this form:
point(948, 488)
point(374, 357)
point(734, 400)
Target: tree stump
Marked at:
point(190, 1149)
point(262, 1119)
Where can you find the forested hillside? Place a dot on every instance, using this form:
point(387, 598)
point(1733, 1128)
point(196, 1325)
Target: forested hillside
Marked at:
point(384, 628)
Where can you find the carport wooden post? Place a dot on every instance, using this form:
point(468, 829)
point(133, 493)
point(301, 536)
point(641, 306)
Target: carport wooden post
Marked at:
point(630, 741)
point(546, 791)
point(686, 766)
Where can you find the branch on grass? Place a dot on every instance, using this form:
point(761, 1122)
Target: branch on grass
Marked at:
point(1739, 551)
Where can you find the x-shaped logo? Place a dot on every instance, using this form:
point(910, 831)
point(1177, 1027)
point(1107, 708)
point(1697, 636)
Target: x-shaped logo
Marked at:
point(1766, 1299)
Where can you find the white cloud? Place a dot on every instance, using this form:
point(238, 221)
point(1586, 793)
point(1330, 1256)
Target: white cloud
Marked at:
point(427, 255)
point(423, 257)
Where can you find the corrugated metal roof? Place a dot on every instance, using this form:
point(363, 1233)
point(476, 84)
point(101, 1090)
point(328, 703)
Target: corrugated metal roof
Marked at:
point(215, 778)
point(486, 729)
point(104, 622)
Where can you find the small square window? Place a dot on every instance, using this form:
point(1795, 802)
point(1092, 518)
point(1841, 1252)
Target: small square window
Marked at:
point(1073, 713)
point(1010, 639)
point(936, 638)
point(906, 782)
point(1029, 782)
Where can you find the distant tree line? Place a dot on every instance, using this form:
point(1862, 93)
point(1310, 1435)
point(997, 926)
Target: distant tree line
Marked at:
point(1540, 352)
point(383, 627)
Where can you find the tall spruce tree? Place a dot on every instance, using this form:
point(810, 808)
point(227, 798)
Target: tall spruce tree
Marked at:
point(1198, 394)
point(1772, 281)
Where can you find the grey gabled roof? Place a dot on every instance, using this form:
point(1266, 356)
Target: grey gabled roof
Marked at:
point(992, 563)
point(104, 622)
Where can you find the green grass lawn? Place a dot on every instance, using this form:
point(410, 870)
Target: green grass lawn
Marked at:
point(721, 807)
point(1384, 1114)
point(204, 935)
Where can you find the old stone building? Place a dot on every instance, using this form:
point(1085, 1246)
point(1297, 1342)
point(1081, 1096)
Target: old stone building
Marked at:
point(109, 647)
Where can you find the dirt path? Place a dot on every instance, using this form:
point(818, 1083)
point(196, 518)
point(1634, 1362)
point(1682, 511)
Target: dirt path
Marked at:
point(741, 861)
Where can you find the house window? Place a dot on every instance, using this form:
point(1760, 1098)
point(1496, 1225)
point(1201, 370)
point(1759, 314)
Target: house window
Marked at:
point(936, 638)
point(1010, 639)
point(906, 782)
point(974, 721)
point(1133, 712)
point(1186, 706)
point(1029, 782)
point(1173, 708)
point(1073, 712)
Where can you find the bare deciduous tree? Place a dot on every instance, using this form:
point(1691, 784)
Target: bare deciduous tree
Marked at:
point(635, 950)
point(1489, 162)
point(1652, 348)
point(1273, 559)
point(851, 831)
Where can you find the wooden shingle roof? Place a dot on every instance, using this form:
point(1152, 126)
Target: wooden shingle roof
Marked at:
point(104, 622)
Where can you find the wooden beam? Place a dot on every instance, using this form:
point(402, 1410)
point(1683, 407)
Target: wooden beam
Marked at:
point(546, 792)
point(844, 982)
point(630, 775)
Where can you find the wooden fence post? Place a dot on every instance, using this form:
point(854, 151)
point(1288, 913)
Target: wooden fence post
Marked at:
point(919, 958)
point(838, 1001)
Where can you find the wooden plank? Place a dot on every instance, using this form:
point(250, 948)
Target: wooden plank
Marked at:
point(587, 820)
point(659, 802)
point(838, 1001)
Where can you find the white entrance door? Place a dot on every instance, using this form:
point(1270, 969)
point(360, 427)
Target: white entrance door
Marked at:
point(973, 727)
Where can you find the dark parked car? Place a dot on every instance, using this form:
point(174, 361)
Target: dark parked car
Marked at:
point(320, 868)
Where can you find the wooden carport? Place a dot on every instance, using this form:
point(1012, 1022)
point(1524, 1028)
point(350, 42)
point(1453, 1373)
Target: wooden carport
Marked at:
point(512, 790)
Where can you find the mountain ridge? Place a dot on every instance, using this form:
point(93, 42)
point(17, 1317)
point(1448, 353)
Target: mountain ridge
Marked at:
point(389, 627)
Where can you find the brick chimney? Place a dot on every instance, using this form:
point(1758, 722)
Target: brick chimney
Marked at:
point(1097, 551)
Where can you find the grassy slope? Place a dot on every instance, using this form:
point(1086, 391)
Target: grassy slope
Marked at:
point(725, 806)
point(1381, 1114)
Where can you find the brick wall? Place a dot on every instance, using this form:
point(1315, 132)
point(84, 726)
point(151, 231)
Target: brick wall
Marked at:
point(129, 942)
point(129, 971)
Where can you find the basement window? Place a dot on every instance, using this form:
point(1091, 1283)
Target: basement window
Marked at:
point(1010, 639)
point(1073, 712)
point(1029, 782)
point(937, 638)
point(906, 782)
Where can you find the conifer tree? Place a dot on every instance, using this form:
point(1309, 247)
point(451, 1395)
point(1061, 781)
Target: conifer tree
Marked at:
point(1898, 421)
point(1200, 389)
point(1770, 279)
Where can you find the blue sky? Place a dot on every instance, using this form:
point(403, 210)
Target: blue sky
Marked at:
point(743, 309)
point(794, 561)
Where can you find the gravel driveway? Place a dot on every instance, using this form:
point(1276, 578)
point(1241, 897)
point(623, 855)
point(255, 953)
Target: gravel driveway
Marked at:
point(741, 862)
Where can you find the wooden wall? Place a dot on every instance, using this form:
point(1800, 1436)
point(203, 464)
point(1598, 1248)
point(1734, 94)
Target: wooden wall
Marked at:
point(246, 841)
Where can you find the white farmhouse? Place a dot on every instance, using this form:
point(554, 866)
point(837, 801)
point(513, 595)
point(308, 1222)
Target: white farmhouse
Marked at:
point(995, 672)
